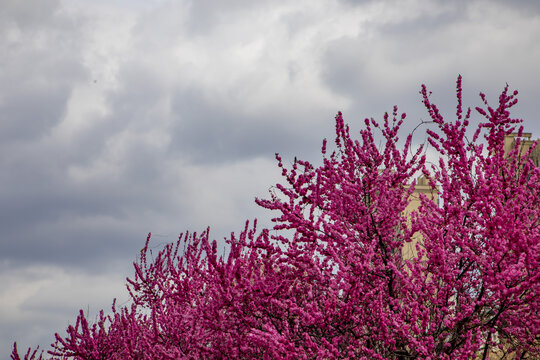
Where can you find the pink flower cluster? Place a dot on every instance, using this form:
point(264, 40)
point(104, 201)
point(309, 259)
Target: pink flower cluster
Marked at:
point(330, 281)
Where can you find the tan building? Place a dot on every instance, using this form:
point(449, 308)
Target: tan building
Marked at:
point(422, 187)
point(525, 146)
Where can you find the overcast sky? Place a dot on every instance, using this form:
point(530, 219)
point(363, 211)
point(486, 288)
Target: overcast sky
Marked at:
point(119, 118)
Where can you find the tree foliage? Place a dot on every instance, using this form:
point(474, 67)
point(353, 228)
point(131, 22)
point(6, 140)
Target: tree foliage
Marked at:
point(330, 280)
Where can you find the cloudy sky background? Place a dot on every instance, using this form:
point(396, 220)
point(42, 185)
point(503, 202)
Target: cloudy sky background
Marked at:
point(119, 118)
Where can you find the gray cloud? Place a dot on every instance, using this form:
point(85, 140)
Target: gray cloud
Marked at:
point(207, 15)
point(207, 131)
point(27, 17)
point(37, 81)
point(117, 119)
point(525, 7)
point(433, 48)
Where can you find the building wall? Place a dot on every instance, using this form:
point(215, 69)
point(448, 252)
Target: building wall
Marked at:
point(525, 146)
point(422, 187)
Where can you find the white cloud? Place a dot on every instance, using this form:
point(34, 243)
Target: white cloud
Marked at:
point(40, 296)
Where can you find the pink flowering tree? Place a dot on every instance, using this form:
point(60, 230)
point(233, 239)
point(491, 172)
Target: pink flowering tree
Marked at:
point(330, 279)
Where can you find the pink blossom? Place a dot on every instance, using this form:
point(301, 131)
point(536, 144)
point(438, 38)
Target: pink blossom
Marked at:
point(340, 286)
